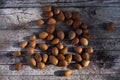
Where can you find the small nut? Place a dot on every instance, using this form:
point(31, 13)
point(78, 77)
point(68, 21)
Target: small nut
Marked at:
point(78, 58)
point(86, 56)
point(78, 66)
point(61, 57)
point(68, 14)
point(84, 26)
point(43, 35)
point(63, 63)
point(57, 11)
point(43, 46)
point(85, 31)
point(89, 50)
point(51, 21)
point(32, 62)
point(50, 29)
point(33, 44)
point(110, 26)
point(61, 16)
point(76, 15)
point(47, 8)
point(68, 58)
point(23, 44)
point(55, 41)
point(84, 41)
point(60, 45)
point(64, 50)
point(16, 53)
point(85, 63)
point(53, 60)
point(78, 49)
point(32, 38)
point(69, 22)
point(38, 57)
point(72, 35)
point(75, 41)
point(30, 51)
point(44, 58)
point(48, 14)
point(76, 24)
point(60, 35)
point(55, 51)
point(67, 72)
point(79, 31)
point(18, 66)
point(39, 22)
point(50, 37)
point(41, 65)
point(87, 36)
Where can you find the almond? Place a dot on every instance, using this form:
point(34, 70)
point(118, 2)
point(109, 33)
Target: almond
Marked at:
point(43, 46)
point(23, 44)
point(51, 21)
point(43, 35)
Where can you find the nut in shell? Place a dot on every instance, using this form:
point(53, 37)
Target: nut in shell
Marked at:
point(61, 57)
point(30, 51)
point(85, 63)
point(84, 41)
point(50, 29)
point(47, 8)
point(18, 66)
point(55, 51)
point(41, 65)
point(51, 21)
point(64, 50)
point(23, 44)
point(44, 58)
point(43, 46)
point(50, 37)
point(39, 22)
point(38, 57)
point(61, 16)
point(77, 58)
point(72, 35)
point(86, 56)
point(63, 63)
point(68, 58)
point(43, 35)
point(16, 53)
point(32, 62)
point(33, 37)
point(55, 41)
point(53, 60)
point(60, 34)
point(78, 49)
point(67, 72)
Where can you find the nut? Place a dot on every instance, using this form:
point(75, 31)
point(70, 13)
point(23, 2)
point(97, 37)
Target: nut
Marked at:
point(38, 57)
point(53, 60)
point(30, 51)
point(68, 14)
point(72, 35)
point(43, 35)
point(60, 34)
point(68, 58)
point(50, 28)
point(55, 41)
point(41, 65)
point(69, 22)
point(76, 15)
point(39, 22)
point(55, 51)
point(57, 10)
point(78, 58)
point(32, 62)
point(18, 66)
point(87, 36)
point(51, 21)
point(76, 24)
point(61, 16)
point(47, 8)
point(84, 26)
point(61, 57)
point(44, 58)
point(85, 31)
point(86, 56)
point(67, 72)
point(63, 63)
point(85, 63)
point(78, 49)
point(33, 37)
point(84, 41)
point(79, 31)
point(78, 66)
point(60, 45)
point(33, 44)
point(23, 44)
point(64, 50)
point(16, 53)
point(75, 41)
point(89, 50)
point(50, 37)
point(49, 14)
point(110, 26)
point(43, 46)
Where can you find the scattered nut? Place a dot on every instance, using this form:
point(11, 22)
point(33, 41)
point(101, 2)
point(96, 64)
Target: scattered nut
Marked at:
point(78, 49)
point(33, 37)
point(44, 58)
point(18, 66)
point(79, 31)
point(67, 72)
point(16, 53)
point(61, 57)
point(50, 37)
point(51, 21)
point(53, 60)
point(55, 51)
point(83, 41)
point(85, 31)
point(43, 46)
point(85, 63)
point(49, 14)
point(86, 56)
point(64, 50)
point(23, 44)
point(33, 44)
point(41, 65)
point(68, 58)
point(69, 22)
point(76, 15)
point(89, 50)
point(84, 26)
point(78, 66)
point(110, 26)
point(60, 45)
point(72, 35)
point(43, 35)
point(75, 41)
point(55, 41)
point(78, 58)
point(61, 16)
point(57, 11)
point(38, 57)
point(30, 51)
point(47, 8)
point(50, 28)
point(60, 34)
point(76, 24)
point(68, 14)
point(39, 22)
point(32, 62)
point(63, 63)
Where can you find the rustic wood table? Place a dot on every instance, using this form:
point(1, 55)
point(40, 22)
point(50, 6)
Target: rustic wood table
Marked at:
point(17, 24)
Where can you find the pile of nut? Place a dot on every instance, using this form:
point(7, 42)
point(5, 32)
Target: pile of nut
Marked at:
point(59, 54)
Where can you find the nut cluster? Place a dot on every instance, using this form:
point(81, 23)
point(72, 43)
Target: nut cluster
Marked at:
point(58, 53)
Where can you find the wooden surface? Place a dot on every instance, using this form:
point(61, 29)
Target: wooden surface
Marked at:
point(17, 24)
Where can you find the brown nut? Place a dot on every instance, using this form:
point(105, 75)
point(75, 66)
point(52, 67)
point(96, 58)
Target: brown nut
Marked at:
point(60, 34)
point(87, 36)
point(43, 46)
point(55, 41)
point(60, 57)
point(79, 31)
point(63, 63)
point(68, 14)
point(47, 8)
point(110, 26)
point(72, 35)
point(53, 60)
point(89, 50)
point(78, 66)
point(23, 44)
point(69, 22)
point(32, 62)
point(30, 51)
point(41, 65)
point(33, 44)
point(16, 53)
point(84, 26)
point(68, 58)
point(85, 31)
point(86, 56)
point(78, 49)
point(43, 35)
point(61, 16)
point(18, 66)
point(64, 50)
point(32, 38)
point(76, 24)
point(84, 41)
point(50, 29)
point(78, 58)
point(75, 41)
point(57, 11)
point(51, 21)
point(55, 51)
point(60, 45)
point(67, 72)
point(85, 63)
point(38, 57)
point(76, 15)
point(50, 37)
point(44, 58)
point(39, 22)
point(48, 14)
